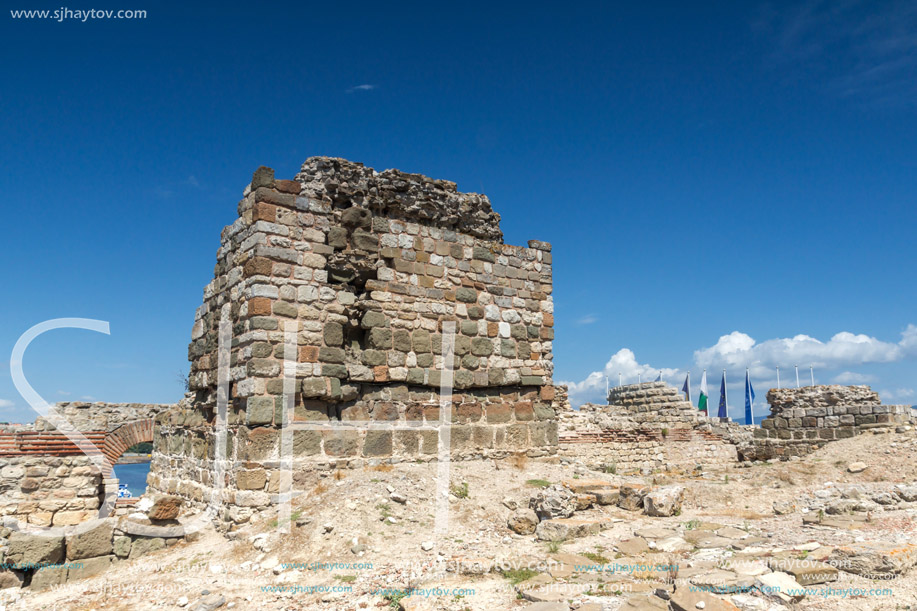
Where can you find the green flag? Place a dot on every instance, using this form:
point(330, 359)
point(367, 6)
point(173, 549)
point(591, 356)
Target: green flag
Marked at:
point(702, 402)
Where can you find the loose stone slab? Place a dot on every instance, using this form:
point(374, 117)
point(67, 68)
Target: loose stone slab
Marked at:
point(847, 522)
point(732, 533)
point(685, 600)
point(716, 580)
point(564, 565)
point(655, 533)
point(673, 545)
point(606, 496)
point(563, 529)
point(780, 586)
point(874, 558)
point(632, 547)
point(643, 602)
point(547, 595)
point(806, 572)
point(586, 485)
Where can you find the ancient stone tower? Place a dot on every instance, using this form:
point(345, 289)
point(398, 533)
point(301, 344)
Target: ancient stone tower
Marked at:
point(369, 266)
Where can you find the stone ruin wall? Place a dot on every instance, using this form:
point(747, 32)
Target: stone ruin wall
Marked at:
point(648, 427)
point(49, 490)
point(805, 419)
point(99, 416)
point(45, 480)
point(368, 266)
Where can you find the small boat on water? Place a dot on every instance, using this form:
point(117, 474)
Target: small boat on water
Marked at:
point(123, 492)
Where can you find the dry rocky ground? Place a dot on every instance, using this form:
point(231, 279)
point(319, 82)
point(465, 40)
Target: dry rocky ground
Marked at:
point(750, 535)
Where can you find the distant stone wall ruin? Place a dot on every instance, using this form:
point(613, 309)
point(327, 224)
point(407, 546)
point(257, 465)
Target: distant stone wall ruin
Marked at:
point(648, 427)
point(805, 419)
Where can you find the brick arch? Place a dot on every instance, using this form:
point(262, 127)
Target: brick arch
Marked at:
point(118, 441)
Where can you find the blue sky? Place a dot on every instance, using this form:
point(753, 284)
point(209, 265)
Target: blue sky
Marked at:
point(707, 174)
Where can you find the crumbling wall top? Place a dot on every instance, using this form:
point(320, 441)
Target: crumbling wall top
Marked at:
point(399, 195)
point(781, 399)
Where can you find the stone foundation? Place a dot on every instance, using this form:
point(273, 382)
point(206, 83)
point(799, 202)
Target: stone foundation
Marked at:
point(77, 555)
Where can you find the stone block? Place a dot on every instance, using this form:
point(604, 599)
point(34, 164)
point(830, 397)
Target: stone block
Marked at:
point(122, 546)
point(564, 529)
point(146, 545)
point(89, 567)
point(372, 318)
point(96, 541)
point(377, 443)
point(481, 346)
point(252, 479)
point(48, 577)
point(307, 443)
point(333, 334)
point(499, 412)
point(34, 549)
point(341, 443)
point(259, 410)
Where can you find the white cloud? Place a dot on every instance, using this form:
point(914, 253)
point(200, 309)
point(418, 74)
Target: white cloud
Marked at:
point(588, 319)
point(851, 377)
point(364, 87)
point(739, 350)
point(4, 403)
point(623, 362)
point(64, 393)
point(88, 398)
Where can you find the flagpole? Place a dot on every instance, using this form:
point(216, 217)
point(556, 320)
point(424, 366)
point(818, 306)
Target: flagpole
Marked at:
point(812, 373)
point(797, 375)
point(703, 383)
point(751, 397)
point(620, 383)
point(778, 377)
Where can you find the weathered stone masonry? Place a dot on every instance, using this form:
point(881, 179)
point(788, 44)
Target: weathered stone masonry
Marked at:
point(46, 479)
point(369, 266)
point(805, 419)
point(646, 427)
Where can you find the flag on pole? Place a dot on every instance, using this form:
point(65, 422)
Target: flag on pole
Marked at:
point(702, 402)
point(723, 412)
point(749, 400)
point(659, 377)
point(687, 387)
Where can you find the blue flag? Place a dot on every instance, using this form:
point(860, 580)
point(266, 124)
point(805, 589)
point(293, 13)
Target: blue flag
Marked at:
point(722, 412)
point(687, 387)
point(659, 377)
point(749, 400)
